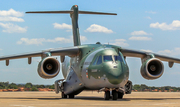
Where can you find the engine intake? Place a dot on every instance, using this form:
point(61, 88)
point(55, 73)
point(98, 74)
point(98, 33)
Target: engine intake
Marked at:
point(48, 68)
point(152, 69)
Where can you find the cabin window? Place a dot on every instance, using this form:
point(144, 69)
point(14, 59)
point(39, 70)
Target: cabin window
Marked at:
point(108, 58)
point(99, 60)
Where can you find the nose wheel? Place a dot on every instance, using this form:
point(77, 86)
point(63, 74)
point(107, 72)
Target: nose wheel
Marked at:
point(107, 95)
point(63, 95)
point(115, 95)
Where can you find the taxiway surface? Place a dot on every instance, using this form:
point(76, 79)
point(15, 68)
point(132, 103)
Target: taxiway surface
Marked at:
point(89, 99)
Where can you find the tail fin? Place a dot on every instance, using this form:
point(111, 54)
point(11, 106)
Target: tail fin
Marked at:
point(74, 16)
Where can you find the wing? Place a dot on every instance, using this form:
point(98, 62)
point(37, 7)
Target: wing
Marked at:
point(142, 54)
point(70, 51)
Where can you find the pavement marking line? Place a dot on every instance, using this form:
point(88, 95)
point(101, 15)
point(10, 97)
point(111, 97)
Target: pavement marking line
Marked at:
point(21, 106)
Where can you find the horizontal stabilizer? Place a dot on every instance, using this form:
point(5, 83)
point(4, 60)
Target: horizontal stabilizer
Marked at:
point(67, 11)
point(71, 11)
point(102, 13)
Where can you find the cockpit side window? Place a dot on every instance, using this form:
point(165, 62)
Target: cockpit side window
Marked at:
point(108, 58)
point(94, 63)
point(99, 60)
point(121, 55)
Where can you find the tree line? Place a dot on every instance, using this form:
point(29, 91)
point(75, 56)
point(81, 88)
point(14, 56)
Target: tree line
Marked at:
point(7, 85)
point(144, 87)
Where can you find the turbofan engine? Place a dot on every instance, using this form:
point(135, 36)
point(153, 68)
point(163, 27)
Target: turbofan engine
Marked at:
point(49, 67)
point(152, 69)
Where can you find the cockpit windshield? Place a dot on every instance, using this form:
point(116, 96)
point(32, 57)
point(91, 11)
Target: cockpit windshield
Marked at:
point(108, 58)
point(118, 58)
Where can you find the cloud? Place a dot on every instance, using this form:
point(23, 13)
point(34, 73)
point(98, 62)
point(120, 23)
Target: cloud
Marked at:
point(120, 42)
point(14, 19)
point(175, 25)
point(40, 41)
point(140, 38)
point(34, 41)
point(59, 39)
point(98, 28)
point(11, 12)
point(174, 52)
point(36, 59)
point(151, 12)
point(11, 16)
point(140, 33)
point(62, 26)
point(11, 28)
point(148, 17)
point(83, 38)
point(146, 50)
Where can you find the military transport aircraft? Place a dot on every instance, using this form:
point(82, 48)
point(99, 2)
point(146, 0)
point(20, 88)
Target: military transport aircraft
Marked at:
point(94, 66)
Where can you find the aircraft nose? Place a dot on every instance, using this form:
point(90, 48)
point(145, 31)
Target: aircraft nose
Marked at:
point(115, 75)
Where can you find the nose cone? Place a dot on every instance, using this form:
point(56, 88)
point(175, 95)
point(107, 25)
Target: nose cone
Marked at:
point(114, 73)
point(115, 76)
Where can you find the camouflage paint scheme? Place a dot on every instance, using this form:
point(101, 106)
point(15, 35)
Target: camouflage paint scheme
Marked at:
point(112, 74)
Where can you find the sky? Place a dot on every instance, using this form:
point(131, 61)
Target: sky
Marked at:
point(147, 25)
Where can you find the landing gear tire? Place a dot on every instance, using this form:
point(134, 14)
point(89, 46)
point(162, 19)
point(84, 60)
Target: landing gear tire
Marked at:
point(63, 95)
point(107, 95)
point(114, 95)
point(120, 95)
point(71, 96)
point(128, 87)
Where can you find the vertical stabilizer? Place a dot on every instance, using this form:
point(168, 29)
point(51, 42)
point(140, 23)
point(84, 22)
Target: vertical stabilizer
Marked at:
point(75, 28)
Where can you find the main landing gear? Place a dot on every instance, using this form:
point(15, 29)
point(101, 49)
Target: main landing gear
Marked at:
point(66, 96)
point(115, 95)
point(63, 95)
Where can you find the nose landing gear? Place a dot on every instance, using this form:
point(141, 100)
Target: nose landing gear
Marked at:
point(107, 95)
point(114, 94)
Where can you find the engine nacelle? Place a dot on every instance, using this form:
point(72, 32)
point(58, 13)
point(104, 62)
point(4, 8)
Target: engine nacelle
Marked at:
point(49, 67)
point(152, 69)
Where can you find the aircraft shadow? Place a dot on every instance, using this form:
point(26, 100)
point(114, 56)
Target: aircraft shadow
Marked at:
point(124, 99)
point(30, 98)
point(90, 98)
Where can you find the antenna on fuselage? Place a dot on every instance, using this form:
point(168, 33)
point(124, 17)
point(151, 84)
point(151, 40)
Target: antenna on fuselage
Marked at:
point(74, 16)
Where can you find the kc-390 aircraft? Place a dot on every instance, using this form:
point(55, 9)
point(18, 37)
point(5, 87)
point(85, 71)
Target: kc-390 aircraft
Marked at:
point(97, 66)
